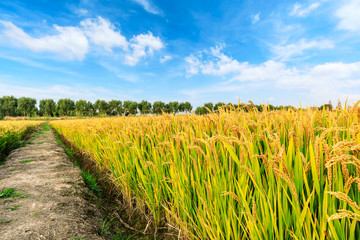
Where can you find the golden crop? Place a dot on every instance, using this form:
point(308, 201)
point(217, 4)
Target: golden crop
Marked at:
point(16, 126)
point(11, 132)
point(234, 174)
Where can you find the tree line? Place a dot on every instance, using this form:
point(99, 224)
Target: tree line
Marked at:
point(25, 106)
point(210, 107)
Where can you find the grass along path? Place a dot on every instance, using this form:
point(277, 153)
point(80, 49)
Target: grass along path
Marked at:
point(43, 196)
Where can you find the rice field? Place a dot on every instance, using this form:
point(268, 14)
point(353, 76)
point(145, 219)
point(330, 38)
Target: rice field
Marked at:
point(11, 132)
point(234, 174)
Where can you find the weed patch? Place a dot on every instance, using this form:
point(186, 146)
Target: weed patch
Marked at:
point(7, 192)
point(27, 161)
point(11, 193)
point(46, 127)
point(91, 182)
point(6, 221)
point(12, 208)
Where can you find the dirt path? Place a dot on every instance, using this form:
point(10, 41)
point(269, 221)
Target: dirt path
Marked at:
point(50, 200)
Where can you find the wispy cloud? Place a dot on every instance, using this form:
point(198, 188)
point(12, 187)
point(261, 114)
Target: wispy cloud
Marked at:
point(81, 12)
point(212, 62)
point(36, 64)
point(255, 18)
point(349, 15)
point(165, 58)
point(58, 91)
point(302, 11)
point(119, 73)
point(149, 6)
point(321, 82)
point(286, 52)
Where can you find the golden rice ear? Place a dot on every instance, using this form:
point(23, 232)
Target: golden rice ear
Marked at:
point(345, 198)
point(342, 213)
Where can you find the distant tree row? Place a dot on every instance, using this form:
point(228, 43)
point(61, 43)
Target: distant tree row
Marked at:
point(24, 106)
point(210, 107)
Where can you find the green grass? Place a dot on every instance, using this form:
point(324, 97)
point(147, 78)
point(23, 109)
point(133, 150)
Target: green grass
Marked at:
point(6, 221)
point(10, 194)
point(46, 127)
point(24, 196)
point(34, 214)
point(12, 208)
point(7, 192)
point(91, 182)
point(8, 142)
point(12, 170)
point(27, 161)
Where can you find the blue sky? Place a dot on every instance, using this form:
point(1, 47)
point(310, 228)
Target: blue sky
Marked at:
point(280, 52)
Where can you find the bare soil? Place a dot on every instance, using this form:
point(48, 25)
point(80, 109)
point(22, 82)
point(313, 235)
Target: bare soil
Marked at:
point(51, 200)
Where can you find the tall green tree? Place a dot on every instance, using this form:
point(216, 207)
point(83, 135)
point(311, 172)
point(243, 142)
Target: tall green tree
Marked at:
point(158, 107)
point(174, 107)
point(50, 108)
point(210, 106)
point(218, 105)
point(66, 107)
point(130, 107)
point(115, 107)
point(201, 111)
point(27, 106)
point(8, 106)
point(101, 107)
point(47, 107)
point(144, 107)
point(80, 107)
point(89, 109)
point(188, 107)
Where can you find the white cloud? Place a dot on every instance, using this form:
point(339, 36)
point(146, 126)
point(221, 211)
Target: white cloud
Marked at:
point(193, 65)
point(320, 82)
point(269, 70)
point(165, 58)
point(323, 76)
point(148, 6)
point(219, 63)
point(119, 73)
point(75, 42)
point(286, 52)
point(58, 91)
point(142, 45)
point(70, 42)
point(255, 18)
point(349, 15)
point(81, 12)
point(101, 32)
point(39, 65)
point(301, 11)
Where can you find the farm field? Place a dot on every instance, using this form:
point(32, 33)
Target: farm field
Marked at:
point(287, 174)
point(11, 132)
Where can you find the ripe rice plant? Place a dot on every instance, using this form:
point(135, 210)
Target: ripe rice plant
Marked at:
point(234, 174)
point(11, 132)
